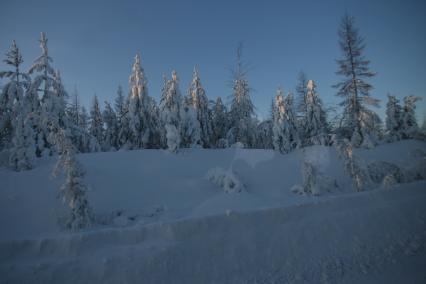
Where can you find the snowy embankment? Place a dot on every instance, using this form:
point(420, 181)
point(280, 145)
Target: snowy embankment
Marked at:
point(164, 222)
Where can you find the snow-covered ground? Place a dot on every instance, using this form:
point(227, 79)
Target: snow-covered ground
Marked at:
point(161, 220)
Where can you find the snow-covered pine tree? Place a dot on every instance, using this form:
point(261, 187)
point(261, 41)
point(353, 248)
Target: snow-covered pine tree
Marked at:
point(121, 106)
point(12, 94)
point(199, 102)
point(393, 119)
point(60, 96)
point(242, 108)
point(219, 121)
point(285, 136)
point(42, 87)
point(153, 115)
point(190, 126)
point(77, 124)
point(73, 108)
point(409, 124)
point(119, 103)
point(96, 128)
point(301, 97)
point(264, 135)
point(22, 152)
point(171, 111)
point(84, 118)
point(111, 131)
point(137, 115)
point(314, 121)
point(54, 109)
point(359, 123)
point(73, 191)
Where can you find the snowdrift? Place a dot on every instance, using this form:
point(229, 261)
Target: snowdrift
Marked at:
point(160, 220)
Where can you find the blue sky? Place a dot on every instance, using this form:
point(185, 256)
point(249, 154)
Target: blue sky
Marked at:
point(93, 43)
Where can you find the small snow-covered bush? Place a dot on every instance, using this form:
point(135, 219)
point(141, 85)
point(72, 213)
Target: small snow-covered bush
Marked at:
point(314, 182)
point(389, 181)
point(173, 138)
point(416, 170)
point(222, 143)
point(354, 165)
point(238, 145)
point(378, 170)
point(226, 179)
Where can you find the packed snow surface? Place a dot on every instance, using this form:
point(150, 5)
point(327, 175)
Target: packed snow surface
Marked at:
point(161, 220)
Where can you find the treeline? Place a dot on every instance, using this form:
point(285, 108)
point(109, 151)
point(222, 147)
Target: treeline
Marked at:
point(35, 108)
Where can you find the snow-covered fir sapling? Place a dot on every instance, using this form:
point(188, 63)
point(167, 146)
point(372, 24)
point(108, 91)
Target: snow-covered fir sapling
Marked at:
point(73, 191)
point(309, 180)
point(198, 101)
point(284, 129)
point(96, 127)
point(393, 130)
point(242, 128)
point(315, 122)
point(111, 128)
point(11, 95)
point(171, 112)
point(219, 120)
point(22, 153)
point(353, 166)
point(42, 87)
point(314, 180)
point(409, 126)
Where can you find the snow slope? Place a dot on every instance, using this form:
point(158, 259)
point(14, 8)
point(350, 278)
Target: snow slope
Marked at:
point(164, 222)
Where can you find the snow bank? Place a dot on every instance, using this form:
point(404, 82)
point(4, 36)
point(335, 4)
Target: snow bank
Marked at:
point(160, 220)
point(337, 240)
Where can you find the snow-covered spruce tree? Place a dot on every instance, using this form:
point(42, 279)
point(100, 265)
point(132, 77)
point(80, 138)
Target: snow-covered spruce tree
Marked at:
point(42, 87)
point(73, 109)
point(314, 122)
point(264, 135)
point(190, 126)
point(121, 106)
point(12, 94)
point(199, 102)
point(73, 191)
point(409, 126)
point(242, 109)
point(219, 121)
point(111, 130)
point(77, 124)
point(359, 123)
point(59, 100)
point(137, 115)
point(84, 119)
point(170, 113)
point(393, 119)
point(284, 129)
point(96, 128)
point(22, 152)
point(301, 91)
point(54, 110)
point(154, 123)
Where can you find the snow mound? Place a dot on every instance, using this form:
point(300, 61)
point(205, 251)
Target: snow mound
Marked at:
point(226, 179)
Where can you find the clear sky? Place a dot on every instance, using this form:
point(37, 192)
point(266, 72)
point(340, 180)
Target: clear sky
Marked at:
point(93, 43)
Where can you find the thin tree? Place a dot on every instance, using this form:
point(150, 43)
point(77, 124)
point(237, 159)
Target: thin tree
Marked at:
point(354, 88)
point(242, 108)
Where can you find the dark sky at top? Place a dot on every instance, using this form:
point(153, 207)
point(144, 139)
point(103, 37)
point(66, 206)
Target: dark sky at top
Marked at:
point(93, 43)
